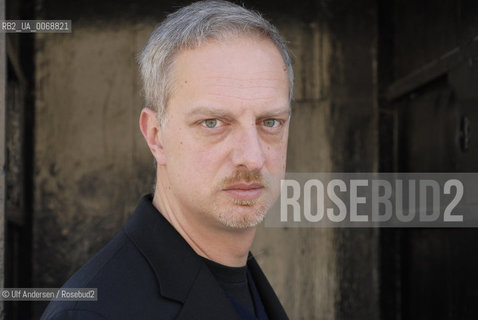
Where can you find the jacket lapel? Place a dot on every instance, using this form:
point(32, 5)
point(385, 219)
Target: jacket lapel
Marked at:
point(271, 303)
point(173, 261)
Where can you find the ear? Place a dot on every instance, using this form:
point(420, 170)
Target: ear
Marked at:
point(151, 130)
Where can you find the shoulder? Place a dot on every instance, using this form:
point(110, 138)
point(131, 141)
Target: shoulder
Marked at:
point(126, 285)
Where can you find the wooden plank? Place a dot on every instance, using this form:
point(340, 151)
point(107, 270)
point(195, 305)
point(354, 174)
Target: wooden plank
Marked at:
point(432, 70)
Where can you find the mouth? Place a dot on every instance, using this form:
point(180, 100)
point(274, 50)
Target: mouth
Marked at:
point(245, 191)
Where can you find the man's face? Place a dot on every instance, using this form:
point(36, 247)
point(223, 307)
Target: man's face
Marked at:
point(225, 135)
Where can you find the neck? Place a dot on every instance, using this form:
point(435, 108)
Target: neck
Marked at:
point(209, 239)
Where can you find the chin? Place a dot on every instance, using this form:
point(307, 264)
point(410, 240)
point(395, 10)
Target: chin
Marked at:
point(243, 216)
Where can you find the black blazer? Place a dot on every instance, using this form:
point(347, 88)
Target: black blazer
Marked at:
point(148, 271)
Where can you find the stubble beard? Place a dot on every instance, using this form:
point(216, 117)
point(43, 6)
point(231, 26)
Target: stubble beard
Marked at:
point(236, 219)
point(240, 213)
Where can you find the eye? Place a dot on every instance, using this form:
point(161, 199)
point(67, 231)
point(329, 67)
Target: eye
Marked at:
point(211, 123)
point(271, 123)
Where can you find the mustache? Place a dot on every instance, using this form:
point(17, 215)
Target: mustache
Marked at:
point(241, 176)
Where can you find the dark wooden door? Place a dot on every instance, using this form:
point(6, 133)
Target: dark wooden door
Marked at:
point(432, 273)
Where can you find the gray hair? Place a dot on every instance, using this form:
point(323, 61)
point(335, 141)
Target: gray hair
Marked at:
point(187, 28)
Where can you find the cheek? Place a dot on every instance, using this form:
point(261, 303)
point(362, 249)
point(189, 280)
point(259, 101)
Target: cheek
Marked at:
point(276, 155)
point(210, 158)
point(277, 160)
point(197, 159)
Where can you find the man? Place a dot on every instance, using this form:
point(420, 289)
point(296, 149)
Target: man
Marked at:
point(218, 83)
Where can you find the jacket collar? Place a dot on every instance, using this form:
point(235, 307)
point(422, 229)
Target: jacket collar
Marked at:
point(174, 262)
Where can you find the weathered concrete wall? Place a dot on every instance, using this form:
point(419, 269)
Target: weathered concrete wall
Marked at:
point(353, 123)
point(91, 164)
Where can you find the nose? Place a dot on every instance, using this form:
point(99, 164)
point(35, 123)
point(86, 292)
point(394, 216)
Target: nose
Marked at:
point(247, 149)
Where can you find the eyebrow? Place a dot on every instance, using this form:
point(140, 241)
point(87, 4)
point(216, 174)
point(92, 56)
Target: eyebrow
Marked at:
point(221, 113)
point(277, 112)
point(209, 111)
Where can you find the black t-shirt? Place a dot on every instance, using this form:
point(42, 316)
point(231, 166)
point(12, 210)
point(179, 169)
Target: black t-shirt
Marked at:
point(234, 282)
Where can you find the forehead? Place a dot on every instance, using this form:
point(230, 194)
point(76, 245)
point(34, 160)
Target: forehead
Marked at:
point(243, 66)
